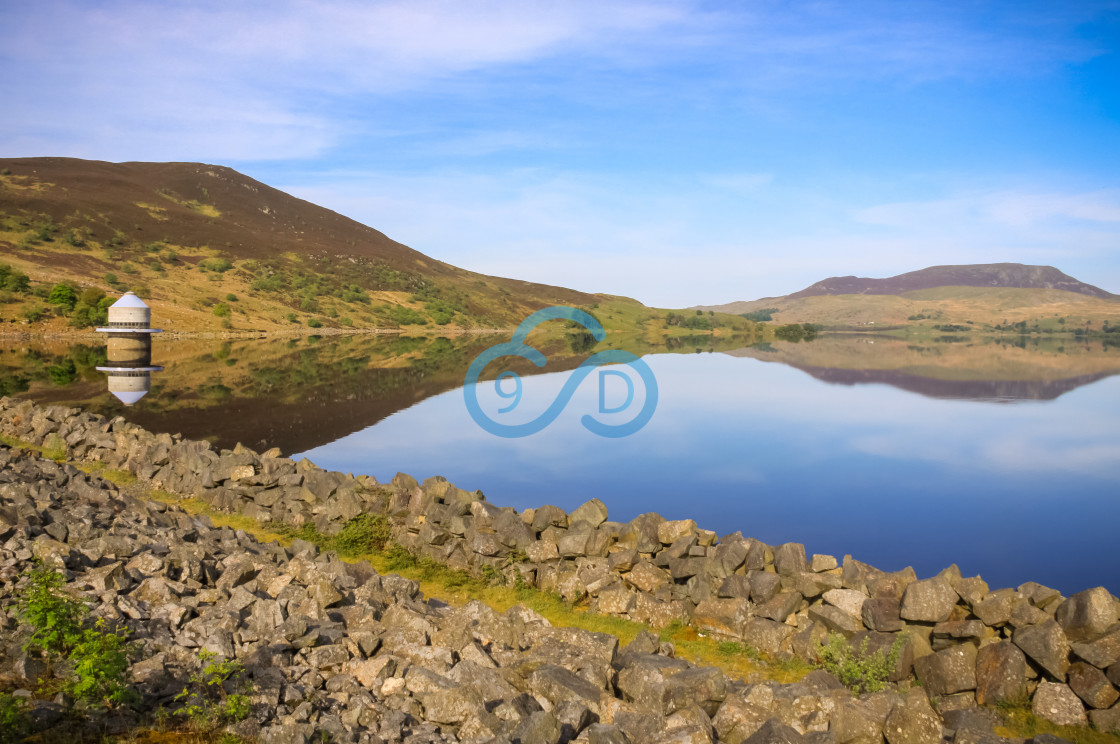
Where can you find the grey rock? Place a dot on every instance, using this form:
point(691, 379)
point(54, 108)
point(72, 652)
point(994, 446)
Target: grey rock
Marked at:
point(1107, 721)
point(1088, 614)
point(594, 512)
point(1090, 684)
point(913, 721)
point(1058, 704)
point(790, 560)
point(775, 732)
point(949, 671)
point(1046, 645)
point(882, 614)
point(704, 687)
point(1102, 652)
point(928, 601)
point(836, 619)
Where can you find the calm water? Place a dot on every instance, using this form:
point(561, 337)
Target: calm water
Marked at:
point(1003, 460)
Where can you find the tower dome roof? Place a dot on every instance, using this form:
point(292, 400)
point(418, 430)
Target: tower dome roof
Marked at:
point(129, 299)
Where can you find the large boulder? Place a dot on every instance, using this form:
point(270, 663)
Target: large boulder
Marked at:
point(929, 601)
point(1101, 652)
point(913, 721)
point(1088, 614)
point(1058, 704)
point(1046, 644)
point(1090, 684)
point(949, 671)
point(1001, 673)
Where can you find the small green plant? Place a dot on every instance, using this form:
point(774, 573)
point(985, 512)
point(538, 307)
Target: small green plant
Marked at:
point(221, 310)
point(111, 278)
point(206, 702)
point(365, 533)
point(14, 725)
point(314, 323)
point(100, 666)
point(54, 616)
point(859, 669)
point(231, 297)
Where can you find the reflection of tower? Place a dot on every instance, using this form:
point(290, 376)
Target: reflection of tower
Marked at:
point(129, 349)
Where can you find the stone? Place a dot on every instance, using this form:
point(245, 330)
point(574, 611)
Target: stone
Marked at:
point(549, 516)
point(594, 512)
point(743, 713)
point(836, 619)
point(767, 636)
point(647, 577)
point(764, 586)
point(913, 721)
point(1058, 704)
point(1088, 614)
point(1090, 684)
point(848, 600)
point(780, 606)
point(789, 559)
point(775, 732)
point(852, 724)
point(928, 601)
point(1102, 652)
point(1046, 645)
point(722, 616)
point(734, 587)
point(970, 590)
point(705, 687)
point(1107, 721)
point(949, 671)
point(602, 733)
point(670, 531)
point(995, 609)
point(820, 563)
point(882, 614)
point(539, 728)
point(1001, 673)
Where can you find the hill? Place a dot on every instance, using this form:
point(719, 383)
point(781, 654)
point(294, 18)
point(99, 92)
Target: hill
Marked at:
point(1006, 275)
point(211, 248)
point(992, 297)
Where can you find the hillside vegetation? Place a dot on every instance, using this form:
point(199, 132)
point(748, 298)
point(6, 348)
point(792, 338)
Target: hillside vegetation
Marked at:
point(983, 298)
point(213, 250)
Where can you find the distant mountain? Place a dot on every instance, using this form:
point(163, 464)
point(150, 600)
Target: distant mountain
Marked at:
point(1019, 276)
point(988, 297)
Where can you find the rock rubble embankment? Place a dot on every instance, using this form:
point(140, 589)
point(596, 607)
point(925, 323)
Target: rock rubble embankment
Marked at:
point(361, 635)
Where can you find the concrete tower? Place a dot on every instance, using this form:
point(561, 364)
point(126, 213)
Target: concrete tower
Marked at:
point(129, 348)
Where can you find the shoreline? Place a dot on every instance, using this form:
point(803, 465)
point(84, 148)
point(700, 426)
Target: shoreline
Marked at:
point(962, 641)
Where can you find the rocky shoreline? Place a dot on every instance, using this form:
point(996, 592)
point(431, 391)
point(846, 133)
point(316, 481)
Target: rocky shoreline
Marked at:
point(334, 649)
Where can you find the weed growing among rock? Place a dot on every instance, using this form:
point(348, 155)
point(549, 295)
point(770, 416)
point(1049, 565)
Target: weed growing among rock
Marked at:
point(859, 669)
point(206, 702)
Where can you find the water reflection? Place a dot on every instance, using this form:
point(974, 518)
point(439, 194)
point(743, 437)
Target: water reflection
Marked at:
point(829, 446)
point(129, 367)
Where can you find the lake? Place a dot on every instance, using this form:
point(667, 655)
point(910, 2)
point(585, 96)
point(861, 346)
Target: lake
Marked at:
point(1002, 457)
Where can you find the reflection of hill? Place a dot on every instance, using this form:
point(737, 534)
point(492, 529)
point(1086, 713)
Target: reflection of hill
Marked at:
point(291, 394)
point(987, 372)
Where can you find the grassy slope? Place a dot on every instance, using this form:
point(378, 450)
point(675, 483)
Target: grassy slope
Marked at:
point(159, 228)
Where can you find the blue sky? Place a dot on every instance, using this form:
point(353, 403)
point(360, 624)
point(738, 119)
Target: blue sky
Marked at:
point(677, 152)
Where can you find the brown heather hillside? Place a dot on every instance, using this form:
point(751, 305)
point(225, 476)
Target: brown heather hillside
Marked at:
point(188, 235)
point(989, 297)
